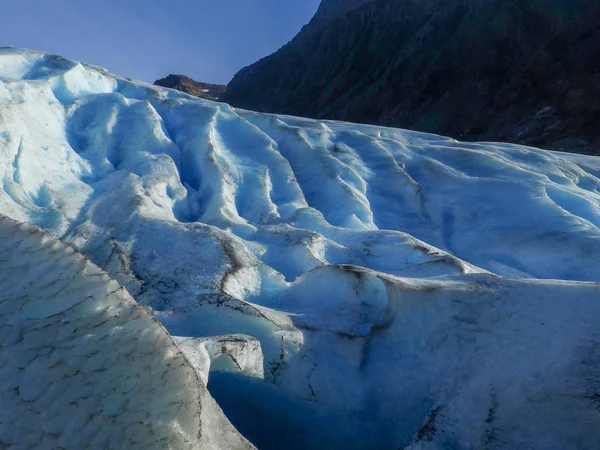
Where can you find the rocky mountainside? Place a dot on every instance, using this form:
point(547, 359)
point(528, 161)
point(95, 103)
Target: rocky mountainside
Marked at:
point(192, 87)
point(524, 71)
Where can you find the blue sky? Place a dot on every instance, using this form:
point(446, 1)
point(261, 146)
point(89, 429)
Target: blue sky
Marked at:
point(208, 40)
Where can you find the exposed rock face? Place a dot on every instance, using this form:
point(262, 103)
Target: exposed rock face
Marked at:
point(332, 9)
point(192, 87)
point(525, 71)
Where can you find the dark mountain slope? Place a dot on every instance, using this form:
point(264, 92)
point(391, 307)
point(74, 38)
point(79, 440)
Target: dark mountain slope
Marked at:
point(525, 71)
point(192, 87)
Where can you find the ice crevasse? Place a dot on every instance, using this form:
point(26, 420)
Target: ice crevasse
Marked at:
point(334, 284)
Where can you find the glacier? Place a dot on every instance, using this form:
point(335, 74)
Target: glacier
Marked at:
point(333, 284)
point(83, 365)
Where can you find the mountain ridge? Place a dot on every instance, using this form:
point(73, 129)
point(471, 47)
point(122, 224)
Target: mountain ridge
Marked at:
point(516, 71)
point(190, 86)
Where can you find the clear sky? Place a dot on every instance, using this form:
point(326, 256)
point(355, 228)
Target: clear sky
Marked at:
point(208, 40)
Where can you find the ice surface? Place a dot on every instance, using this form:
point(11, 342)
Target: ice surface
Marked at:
point(84, 365)
point(415, 288)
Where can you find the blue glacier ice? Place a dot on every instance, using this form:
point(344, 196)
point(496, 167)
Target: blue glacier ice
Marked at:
point(382, 288)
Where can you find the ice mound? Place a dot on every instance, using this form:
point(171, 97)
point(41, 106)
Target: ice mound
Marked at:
point(83, 365)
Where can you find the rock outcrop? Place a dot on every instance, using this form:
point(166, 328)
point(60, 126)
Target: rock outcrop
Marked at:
point(192, 87)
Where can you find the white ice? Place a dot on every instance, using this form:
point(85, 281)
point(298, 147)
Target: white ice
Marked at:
point(83, 365)
point(427, 290)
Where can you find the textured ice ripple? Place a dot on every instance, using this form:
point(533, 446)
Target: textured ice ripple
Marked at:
point(83, 365)
point(403, 283)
